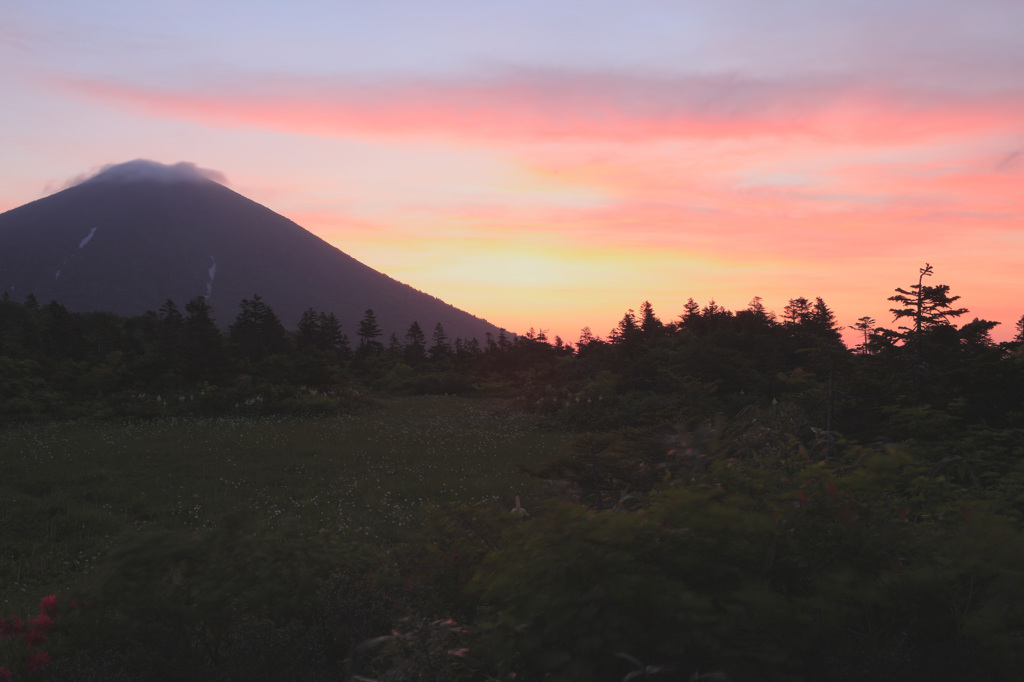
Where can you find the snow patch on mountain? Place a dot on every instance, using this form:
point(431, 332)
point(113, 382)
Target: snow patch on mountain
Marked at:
point(211, 272)
point(88, 237)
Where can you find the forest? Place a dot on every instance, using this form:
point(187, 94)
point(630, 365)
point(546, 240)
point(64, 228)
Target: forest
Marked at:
point(724, 495)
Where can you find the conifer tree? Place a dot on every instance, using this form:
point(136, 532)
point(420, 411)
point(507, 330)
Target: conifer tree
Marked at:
point(170, 314)
point(394, 346)
point(586, 338)
point(713, 310)
point(309, 330)
point(796, 311)
point(441, 347)
point(756, 306)
point(203, 356)
point(415, 344)
point(865, 325)
point(927, 307)
point(691, 314)
point(170, 330)
point(821, 321)
point(368, 332)
point(257, 331)
point(650, 325)
point(627, 330)
point(712, 316)
point(331, 337)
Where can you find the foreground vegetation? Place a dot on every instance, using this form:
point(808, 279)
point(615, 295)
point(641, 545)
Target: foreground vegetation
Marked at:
point(194, 539)
point(730, 496)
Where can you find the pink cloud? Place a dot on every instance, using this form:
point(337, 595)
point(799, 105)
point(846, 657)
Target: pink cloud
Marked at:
point(563, 105)
point(723, 182)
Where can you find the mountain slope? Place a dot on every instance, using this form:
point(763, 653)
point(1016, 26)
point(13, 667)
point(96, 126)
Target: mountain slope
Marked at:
point(140, 233)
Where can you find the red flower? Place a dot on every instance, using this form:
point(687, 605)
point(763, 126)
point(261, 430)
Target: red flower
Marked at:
point(48, 605)
point(6, 630)
point(42, 623)
point(33, 638)
point(38, 661)
point(17, 625)
point(37, 630)
point(5, 675)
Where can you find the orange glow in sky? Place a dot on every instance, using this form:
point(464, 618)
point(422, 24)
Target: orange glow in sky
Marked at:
point(547, 178)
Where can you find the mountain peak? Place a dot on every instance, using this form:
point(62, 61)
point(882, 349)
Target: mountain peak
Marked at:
point(139, 233)
point(145, 170)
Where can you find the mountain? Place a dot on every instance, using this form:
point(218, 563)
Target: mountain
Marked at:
point(139, 233)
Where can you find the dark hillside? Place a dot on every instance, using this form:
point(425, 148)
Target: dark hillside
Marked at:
point(127, 244)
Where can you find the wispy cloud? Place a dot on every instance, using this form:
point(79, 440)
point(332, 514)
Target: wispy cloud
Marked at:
point(552, 104)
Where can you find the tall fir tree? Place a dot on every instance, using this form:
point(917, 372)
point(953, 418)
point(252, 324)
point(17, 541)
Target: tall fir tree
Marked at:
point(441, 347)
point(415, 344)
point(203, 354)
point(368, 332)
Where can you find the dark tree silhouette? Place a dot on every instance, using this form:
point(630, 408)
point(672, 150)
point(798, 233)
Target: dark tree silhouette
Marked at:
point(691, 314)
point(865, 325)
point(975, 334)
point(649, 322)
point(321, 331)
point(394, 346)
point(441, 347)
point(415, 344)
point(586, 338)
point(626, 331)
point(203, 356)
point(821, 322)
point(757, 309)
point(331, 337)
point(308, 330)
point(171, 329)
point(796, 311)
point(369, 331)
point(927, 307)
point(257, 331)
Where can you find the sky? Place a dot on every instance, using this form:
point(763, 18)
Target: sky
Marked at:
point(553, 164)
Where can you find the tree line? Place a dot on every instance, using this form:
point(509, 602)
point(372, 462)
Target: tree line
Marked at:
point(724, 359)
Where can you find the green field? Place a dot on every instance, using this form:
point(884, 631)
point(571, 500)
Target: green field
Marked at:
point(258, 515)
point(72, 491)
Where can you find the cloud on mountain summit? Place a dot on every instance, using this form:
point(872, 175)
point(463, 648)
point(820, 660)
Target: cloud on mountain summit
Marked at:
point(145, 169)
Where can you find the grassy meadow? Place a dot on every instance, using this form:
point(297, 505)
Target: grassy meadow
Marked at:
point(130, 508)
point(72, 491)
